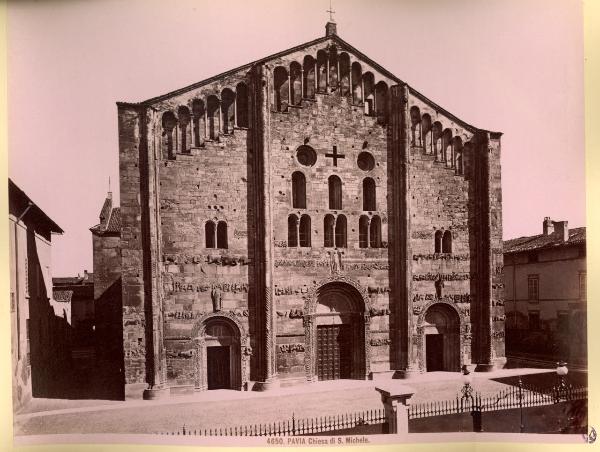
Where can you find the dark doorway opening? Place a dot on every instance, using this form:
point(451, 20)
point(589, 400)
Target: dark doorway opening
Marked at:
point(434, 347)
point(334, 352)
point(217, 363)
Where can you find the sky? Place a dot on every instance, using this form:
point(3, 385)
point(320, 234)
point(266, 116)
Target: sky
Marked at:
point(514, 66)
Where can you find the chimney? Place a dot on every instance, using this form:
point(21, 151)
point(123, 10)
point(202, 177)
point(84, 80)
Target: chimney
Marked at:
point(330, 29)
point(561, 229)
point(85, 275)
point(548, 226)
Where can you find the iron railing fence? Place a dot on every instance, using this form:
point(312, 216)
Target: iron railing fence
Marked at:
point(513, 397)
point(292, 427)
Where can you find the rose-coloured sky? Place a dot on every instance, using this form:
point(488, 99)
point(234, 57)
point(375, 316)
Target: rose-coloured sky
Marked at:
point(513, 66)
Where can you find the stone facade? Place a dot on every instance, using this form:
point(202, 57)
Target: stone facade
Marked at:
point(264, 206)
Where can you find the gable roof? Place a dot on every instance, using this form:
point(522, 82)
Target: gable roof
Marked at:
point(19, 204)
point(541, 241)
point(334, 38)
point(112, 226)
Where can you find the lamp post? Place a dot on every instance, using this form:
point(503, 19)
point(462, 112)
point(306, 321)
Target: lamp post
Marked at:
point(520, 386)
point(561, 388)
point(467, 394)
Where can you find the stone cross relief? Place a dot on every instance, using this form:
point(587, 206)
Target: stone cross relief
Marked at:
point(335, 156)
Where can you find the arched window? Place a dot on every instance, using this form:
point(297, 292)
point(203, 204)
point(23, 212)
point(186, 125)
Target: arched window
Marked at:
point(228, 110)
point(292, 231)
point(222, 235)
point(209, 234)
point(447, 147)
point(309, 77)
point(328, 236)
point(447, 242)
point(426, 133)
point(375, 232)
point(369, 93)
point(356, 83)
point(369, 195)
point(322, 71)
point(281, 86)
point(296, 85)
point(198, 119)
point(381, 96)
point(212, 112)
point(241, 104)
point(333, 68)
point(363, 231)
point(184, 127)
point(169, 121)
point(415, 126)
point(305, 231)
point(340, 231)
point(438, 242)
point(298, 190)
point(437, 141)
point(335, 193)
point(345, 89)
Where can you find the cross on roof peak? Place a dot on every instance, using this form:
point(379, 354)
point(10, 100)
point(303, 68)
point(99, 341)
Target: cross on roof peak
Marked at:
point(330, 11)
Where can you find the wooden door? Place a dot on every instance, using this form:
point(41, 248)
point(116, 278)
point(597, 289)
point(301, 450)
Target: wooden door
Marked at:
point(334, 352)
point(434, 348)
point(218, 371)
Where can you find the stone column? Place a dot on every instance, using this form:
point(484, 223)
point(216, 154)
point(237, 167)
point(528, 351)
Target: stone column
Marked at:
point(301, 83)
point(484, 253)
point(264, 228)
point(406, 352)
point(396, 400)
point(350, 81)
point(151, 250)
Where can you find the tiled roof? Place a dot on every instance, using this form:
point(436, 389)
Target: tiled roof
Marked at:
point(536, 242)
point(105, 212)
point(63, 296)
point(114, 223)
point(73, 280)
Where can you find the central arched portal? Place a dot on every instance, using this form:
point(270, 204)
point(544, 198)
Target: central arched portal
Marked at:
point(336, 331)
point(442, 339)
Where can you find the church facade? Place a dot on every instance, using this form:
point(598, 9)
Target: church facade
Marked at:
point(308, 216)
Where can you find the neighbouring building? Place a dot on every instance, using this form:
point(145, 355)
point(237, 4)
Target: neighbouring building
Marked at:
point(307, 216)
point(108, 310)
point(545, 290)
point(40, 327)
point(77, 292)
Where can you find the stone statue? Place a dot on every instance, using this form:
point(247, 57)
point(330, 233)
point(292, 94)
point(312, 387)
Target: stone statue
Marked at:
point(439, 285)
point(215, 294)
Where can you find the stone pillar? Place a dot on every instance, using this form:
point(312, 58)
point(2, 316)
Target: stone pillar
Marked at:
point(301, 83)
point(396, 400)
point(484, 253)
point(264, 226)
point(405, 361)
point(151, 251)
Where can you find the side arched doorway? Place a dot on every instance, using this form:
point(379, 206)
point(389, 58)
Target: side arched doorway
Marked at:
point(336, 328)
point(221, 354)
point(441, 328)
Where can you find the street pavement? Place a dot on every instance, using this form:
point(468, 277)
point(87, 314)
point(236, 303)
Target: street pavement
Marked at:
point(225, 408)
